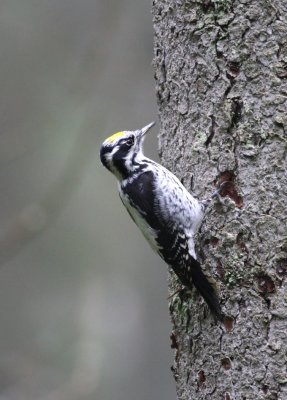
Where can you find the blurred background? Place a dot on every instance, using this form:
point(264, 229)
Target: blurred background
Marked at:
point(83, 299)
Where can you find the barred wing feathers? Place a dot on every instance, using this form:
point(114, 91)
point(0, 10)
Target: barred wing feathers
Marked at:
point(163, 229)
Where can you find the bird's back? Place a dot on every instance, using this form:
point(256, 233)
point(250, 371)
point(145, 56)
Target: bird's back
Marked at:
point(161, 207)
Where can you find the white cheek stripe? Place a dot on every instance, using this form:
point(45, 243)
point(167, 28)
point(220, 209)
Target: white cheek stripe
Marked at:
point(128, 160)
point(109, 159)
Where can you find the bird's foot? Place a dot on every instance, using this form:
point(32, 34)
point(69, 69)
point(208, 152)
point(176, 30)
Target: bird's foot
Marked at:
point(177, 291)
point(216, 193)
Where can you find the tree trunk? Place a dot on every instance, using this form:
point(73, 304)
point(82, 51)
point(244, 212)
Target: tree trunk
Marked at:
point(221, 69)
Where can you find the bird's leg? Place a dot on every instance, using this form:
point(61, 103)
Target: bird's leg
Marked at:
point(216, 193)
point(178, 289)
point(175, 293)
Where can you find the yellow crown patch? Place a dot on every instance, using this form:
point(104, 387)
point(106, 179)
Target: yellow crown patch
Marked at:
point(114, 137)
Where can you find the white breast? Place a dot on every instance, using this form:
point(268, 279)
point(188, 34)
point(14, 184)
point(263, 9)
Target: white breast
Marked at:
point(148, 232)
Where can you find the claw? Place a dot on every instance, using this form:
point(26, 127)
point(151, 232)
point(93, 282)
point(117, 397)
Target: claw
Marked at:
point(216, 193)
point(175, 293)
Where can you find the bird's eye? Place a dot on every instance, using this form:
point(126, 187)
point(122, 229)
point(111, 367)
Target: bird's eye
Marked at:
point(130, 141)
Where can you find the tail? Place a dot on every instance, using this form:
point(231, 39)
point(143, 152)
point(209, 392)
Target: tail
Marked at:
point(192, 273)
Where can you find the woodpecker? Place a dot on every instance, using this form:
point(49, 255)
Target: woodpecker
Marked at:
point(166, 213)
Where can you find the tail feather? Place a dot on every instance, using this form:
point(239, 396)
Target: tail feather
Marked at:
point(192, 273)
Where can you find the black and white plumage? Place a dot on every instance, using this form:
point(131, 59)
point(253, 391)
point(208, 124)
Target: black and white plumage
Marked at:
point(166, 213)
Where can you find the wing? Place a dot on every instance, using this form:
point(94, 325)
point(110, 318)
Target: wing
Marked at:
point(165, 234)
point(139, 199)
point(160, 228)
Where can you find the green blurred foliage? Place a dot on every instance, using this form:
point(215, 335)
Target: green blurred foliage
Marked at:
point(83, 299)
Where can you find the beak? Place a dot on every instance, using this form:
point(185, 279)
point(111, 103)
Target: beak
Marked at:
point(145, 129)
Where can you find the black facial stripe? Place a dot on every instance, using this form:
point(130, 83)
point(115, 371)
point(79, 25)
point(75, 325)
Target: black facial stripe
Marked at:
point(136, 150)
point(105, 150)
point(118, 161)
point(123, 142)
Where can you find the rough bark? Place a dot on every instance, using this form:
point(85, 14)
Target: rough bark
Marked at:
point(221, 69)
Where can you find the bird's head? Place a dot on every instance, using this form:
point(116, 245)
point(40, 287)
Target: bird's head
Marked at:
point(121, 152)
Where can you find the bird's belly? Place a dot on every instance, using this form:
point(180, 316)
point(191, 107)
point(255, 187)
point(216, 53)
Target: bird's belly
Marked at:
point(149, 233)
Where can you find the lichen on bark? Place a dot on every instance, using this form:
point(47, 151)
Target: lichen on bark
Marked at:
point(221, 81)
